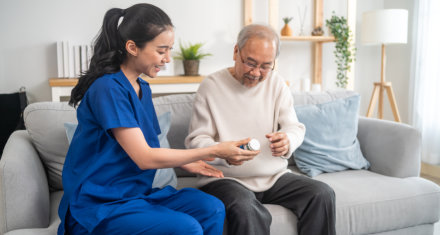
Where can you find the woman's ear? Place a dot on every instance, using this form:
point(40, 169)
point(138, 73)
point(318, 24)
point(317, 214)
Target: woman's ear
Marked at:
point(131, 48)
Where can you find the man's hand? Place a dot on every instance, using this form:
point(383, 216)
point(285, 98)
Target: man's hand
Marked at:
point(202, 168)
point(279, 143)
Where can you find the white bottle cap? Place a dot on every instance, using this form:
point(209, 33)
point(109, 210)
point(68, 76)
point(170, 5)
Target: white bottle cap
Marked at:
point(254, 145)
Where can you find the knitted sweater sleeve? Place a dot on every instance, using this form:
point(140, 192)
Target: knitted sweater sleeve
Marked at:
point(202, 130)
point(287, 120)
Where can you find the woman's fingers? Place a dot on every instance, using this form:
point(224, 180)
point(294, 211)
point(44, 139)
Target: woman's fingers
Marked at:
point(242, 142)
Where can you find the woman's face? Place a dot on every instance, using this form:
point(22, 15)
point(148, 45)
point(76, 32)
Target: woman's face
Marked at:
point(155, 53)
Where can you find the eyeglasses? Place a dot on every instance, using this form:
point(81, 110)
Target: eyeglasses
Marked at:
point(251, 65)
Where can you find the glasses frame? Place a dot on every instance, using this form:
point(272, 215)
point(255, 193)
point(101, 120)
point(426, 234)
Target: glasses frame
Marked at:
point(252, 66)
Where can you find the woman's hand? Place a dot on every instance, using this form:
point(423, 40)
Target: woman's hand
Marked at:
point(234, 155)
point(202, 168)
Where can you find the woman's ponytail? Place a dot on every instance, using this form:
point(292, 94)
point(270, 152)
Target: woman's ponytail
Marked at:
point(140, 23)
point(107, 55)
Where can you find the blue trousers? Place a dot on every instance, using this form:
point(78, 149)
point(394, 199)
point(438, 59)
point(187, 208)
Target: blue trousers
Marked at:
point(188, 211)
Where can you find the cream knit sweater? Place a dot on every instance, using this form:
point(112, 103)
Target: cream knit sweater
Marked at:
point(226, 110)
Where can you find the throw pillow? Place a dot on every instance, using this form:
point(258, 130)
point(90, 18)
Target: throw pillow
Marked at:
point(70, 130)
point(163, 177)
point(330, 143)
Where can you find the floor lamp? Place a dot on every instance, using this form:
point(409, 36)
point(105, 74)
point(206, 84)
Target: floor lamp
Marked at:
point(388, 26)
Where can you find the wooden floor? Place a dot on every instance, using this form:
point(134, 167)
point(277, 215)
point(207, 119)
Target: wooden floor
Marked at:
point(433, 179)
point(430, 172)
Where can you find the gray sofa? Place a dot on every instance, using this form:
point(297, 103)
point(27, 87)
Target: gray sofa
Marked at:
point(389, 198)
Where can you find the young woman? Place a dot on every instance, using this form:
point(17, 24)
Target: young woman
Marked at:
point(111, 162)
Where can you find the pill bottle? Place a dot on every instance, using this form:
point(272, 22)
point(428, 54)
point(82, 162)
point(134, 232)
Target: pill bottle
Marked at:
point(253, 145)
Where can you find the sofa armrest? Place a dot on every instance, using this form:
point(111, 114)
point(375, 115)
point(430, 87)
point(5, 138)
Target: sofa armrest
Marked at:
point(24, 190)
point(393, 149)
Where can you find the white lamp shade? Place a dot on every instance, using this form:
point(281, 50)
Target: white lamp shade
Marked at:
point(387, 26)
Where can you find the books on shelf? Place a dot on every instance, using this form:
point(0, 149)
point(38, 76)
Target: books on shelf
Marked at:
point(72, 60)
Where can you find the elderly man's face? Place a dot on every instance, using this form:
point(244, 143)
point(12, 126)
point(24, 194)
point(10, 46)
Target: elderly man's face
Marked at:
point(254, 61)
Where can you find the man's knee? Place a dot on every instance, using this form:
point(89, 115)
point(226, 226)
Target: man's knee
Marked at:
point(323, 191)
point(249, 208)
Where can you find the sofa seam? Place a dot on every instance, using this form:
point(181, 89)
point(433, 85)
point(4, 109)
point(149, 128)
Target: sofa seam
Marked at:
point(400, 199)
point(390, 230)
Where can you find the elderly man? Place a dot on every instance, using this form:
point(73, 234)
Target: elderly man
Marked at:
point(252, 100)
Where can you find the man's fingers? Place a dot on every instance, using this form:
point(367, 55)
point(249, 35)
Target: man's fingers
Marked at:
point(274, 137)
point(279, 144)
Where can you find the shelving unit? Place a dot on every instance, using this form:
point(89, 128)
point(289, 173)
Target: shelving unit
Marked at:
point(316, 40)
point(308, 38)
point(62, 87)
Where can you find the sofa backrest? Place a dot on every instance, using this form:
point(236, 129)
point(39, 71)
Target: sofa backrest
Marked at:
point(180, 106)
point(45, 124)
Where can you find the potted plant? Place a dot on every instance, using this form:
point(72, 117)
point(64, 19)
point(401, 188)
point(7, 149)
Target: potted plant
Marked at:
point(286, 30)
point(191, 55)
point(344, 50)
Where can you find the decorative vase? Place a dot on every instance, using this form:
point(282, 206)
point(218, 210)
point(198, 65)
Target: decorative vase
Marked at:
point(286, 30)
point(191, 67)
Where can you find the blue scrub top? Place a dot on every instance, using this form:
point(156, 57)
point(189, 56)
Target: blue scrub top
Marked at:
point(98, 174)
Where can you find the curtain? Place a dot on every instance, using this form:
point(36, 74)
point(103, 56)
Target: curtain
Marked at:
point(425, 78)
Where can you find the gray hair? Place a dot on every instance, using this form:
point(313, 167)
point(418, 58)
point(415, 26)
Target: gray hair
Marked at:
point(258, 31)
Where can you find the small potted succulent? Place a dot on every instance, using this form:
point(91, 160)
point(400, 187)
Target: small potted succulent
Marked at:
point(286, 30)
point(191, 55)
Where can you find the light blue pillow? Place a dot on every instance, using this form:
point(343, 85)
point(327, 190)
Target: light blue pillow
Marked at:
point(70, 130)
point(330, 143)
point(163, 177)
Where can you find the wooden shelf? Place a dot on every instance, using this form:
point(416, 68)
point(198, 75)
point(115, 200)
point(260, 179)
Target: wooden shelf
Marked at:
point(318, 15)
point(308, 38)
point(68, 82)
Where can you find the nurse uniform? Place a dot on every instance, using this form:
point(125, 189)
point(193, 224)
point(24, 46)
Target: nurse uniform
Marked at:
point(105, 192)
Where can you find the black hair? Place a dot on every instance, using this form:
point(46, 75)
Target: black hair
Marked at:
point(141, 23)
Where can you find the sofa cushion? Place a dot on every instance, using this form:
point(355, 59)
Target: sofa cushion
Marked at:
point(323, 150)
point(302, 98)
point(367, 202)
point(45, 124)
point(180, 107)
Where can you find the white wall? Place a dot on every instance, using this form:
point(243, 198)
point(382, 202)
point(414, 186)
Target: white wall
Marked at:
point(368, 62)
point(29, 30)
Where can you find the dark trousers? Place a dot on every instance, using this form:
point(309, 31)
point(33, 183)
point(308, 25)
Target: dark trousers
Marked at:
point(312, 201)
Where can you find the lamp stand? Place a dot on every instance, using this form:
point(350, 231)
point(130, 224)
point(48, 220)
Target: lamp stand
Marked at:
point(378, 90)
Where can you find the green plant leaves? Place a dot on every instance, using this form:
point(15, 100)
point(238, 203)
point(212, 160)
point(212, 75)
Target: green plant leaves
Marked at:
point(191, 52)
point(344, 52)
